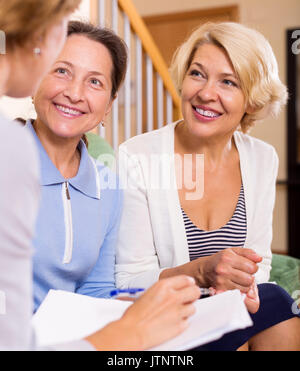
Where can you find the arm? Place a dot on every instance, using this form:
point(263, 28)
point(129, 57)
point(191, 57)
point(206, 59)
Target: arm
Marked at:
point(159, 315)
point(18, 208)
point(262, 234)
point(101, 280)
point(137, 262)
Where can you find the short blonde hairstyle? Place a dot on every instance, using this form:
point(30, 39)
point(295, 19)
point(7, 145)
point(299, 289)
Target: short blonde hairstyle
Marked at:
point(23, 21)
point(252, 59)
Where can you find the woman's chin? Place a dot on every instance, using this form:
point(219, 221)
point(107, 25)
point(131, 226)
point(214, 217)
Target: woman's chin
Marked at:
point(66, 133)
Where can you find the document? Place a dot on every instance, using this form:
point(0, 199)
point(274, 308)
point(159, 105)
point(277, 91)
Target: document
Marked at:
point(65, 317)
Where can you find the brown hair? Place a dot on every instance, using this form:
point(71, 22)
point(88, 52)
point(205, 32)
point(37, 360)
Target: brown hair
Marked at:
point(25, 21)
point(114, 44)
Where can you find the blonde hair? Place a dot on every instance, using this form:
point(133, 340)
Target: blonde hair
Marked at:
point(253, 61)
point(23, 21)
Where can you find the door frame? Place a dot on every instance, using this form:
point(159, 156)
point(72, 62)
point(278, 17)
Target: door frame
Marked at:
point(293, 163)
point(233, 10)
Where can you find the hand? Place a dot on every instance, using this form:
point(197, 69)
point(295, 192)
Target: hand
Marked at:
point(230, 269)
point(252, 299)
point(159, 315)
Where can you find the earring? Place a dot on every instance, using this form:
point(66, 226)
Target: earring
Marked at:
point(37, 51)
point(102, 123)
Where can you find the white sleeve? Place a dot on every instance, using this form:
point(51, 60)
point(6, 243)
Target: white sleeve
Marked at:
point(19, 198)
point(137, 262)
point(263, 231)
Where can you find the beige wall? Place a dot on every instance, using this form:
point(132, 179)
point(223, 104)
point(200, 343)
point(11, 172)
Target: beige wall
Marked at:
point(272, 18)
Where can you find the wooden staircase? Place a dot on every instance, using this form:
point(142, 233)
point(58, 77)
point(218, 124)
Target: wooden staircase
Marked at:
point(148, 100)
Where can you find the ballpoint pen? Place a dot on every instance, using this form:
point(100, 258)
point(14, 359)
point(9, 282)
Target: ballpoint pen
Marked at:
point(205, 293)
point(127, 294)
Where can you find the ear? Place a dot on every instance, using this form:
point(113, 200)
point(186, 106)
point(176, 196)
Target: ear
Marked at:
point(250, 110)
point(109, 107)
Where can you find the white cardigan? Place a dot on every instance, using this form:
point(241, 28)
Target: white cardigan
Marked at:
point(152, 234)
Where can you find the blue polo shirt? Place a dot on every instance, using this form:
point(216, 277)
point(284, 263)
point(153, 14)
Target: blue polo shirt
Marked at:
point(76, 229)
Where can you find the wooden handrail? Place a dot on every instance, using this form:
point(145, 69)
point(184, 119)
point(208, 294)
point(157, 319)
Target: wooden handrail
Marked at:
point(140, 28)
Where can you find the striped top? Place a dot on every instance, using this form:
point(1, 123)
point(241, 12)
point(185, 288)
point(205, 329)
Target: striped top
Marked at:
point(233, 234)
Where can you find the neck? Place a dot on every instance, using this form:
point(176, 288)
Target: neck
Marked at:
point(215, 149)
point(63, 152)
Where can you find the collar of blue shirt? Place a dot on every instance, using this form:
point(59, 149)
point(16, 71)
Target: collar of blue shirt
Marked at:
point(87, 178)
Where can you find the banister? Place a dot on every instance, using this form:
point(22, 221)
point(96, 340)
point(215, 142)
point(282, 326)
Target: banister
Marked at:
point(150, 47)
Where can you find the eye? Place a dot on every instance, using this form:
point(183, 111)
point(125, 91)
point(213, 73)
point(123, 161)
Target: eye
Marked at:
point(196, 73)
point(96, 82)
point(61, 71)
point(229, 83)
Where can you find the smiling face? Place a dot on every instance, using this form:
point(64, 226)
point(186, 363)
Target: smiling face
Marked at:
point(213, 103)
point(76, 94)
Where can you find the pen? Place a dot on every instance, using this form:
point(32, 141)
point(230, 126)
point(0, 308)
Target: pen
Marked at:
point(127, 294)
point(205, 293)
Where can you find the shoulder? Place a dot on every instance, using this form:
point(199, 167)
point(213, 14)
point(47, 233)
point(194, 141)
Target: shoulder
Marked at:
point(256, 149)
point(18, 145)
point(151, 142)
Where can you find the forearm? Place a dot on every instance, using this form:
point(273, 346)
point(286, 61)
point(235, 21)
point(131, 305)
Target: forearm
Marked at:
point(195, 269)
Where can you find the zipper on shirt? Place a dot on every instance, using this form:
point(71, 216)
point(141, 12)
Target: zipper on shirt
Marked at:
point(68, 223)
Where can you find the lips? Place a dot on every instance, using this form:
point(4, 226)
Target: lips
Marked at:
point(68, 111)
point(207, 112)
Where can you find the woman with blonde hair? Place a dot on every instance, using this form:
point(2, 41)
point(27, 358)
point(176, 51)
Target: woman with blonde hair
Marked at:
point(214, 221)
point(35, 32)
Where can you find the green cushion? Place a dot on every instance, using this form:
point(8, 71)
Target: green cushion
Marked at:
point(100, 150)
point(286, 272)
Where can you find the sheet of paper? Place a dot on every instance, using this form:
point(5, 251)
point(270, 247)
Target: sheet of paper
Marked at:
point(214, 317)
point(65, 317)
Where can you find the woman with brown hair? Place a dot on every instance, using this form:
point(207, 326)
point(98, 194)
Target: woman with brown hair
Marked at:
point(80, 100)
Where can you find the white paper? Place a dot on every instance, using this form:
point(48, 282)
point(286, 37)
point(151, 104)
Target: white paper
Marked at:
point(65, 317)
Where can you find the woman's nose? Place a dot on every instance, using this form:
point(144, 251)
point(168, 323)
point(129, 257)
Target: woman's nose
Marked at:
point(208, 91)
point(74, 91)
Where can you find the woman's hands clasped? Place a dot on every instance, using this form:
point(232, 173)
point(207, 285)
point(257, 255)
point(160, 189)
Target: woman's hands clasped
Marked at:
point(234, 269)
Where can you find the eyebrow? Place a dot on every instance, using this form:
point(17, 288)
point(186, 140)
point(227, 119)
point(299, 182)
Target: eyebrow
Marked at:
point(225, 74)
point(71, 65)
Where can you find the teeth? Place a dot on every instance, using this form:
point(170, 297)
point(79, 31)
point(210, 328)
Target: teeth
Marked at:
point(207, 113)
point(68, 110)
